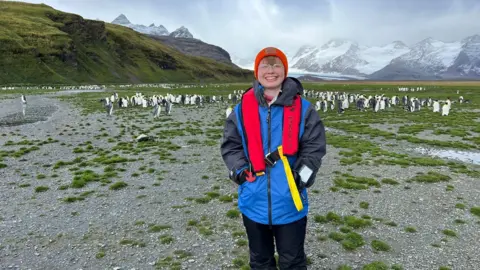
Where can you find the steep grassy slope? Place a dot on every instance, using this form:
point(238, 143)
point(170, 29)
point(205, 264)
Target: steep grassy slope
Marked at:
point(39, 44)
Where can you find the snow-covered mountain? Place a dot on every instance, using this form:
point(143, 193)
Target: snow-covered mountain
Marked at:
point(427, 59)
point(467, 62)
point(434, 59)
point(122, 20)
point(312, 58)
point(152, 29)
point(181, 32)
point(377, 57)
point(346, 57)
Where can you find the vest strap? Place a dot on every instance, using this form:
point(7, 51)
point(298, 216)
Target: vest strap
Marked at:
point(291, 181)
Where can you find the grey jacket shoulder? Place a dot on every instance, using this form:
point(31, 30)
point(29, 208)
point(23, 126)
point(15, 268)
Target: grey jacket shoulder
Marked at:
point(231, 147)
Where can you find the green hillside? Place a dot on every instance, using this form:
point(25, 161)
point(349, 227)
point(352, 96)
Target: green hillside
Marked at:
point(39, 44)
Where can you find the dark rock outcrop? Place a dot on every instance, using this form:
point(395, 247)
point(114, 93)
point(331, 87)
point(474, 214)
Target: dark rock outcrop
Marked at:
point(196, 47)
point(400, 72)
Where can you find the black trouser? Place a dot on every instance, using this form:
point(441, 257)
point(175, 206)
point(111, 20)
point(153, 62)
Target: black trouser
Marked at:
point(289, 238)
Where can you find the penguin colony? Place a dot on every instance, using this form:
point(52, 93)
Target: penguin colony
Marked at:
point(323, 100)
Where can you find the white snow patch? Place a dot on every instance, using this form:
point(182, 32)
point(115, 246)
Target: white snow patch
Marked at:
point(448, 52)
point(379, 57)
point(305, 51)
point(330, 53)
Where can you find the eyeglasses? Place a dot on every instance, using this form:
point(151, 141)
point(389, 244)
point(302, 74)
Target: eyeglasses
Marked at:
point(274, 66)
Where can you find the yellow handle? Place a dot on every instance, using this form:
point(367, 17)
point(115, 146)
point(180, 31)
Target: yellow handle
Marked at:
point(291, 181)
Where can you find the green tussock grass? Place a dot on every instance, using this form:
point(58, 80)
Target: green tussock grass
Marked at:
point(83, 177)
point(166, 239)
point(100, 254)
point(448, 232)
point(347, 181)
point(349, 241)
point(226, 198)
point(352, 241)
point(364, 205)
point(460, 221)
point(475, 211)
point(431, 177)
point(133, 243)
point(376, 265)
point(389, 181)
point(233, 213)
point(351, 222)
point(118, 185)
point(378, 245)
point(41, 189)
point(410, 229)
point(158, 228)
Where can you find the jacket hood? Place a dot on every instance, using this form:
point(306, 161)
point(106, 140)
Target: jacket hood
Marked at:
point(290, 88)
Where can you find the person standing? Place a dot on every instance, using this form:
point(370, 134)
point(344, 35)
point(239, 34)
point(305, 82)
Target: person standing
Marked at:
point(273, 145)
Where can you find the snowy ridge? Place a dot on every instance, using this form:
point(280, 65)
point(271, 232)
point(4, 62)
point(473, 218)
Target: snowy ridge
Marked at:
point(471, 49)
point(121, 19)
point(348, 57)
point(431, 55)
point(378, 57)
point(434, 59)
point(181, 32)
point(311, 58)
point(152, 29)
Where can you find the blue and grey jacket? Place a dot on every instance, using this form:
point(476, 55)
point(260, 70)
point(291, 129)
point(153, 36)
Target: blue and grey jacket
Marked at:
point(268, 200)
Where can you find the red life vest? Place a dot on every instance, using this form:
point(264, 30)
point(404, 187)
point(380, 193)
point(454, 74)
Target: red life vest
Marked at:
point(252, 130)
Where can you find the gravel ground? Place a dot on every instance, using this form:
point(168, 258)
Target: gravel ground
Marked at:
point(112, 229)
point(428, 134)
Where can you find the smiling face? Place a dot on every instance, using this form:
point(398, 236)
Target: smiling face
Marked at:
point(271, 72)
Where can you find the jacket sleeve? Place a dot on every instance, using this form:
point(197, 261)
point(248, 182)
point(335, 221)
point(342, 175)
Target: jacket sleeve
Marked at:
point(312, 146)
point(232, 148)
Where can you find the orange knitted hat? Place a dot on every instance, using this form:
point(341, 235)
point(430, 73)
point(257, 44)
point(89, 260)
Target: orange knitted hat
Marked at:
point(270, 51)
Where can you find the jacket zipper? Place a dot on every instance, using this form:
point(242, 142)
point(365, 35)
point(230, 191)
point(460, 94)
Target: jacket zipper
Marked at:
point(268, 172)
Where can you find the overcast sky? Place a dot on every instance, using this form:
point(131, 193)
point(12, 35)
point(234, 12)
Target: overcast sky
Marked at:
point(242, 27)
